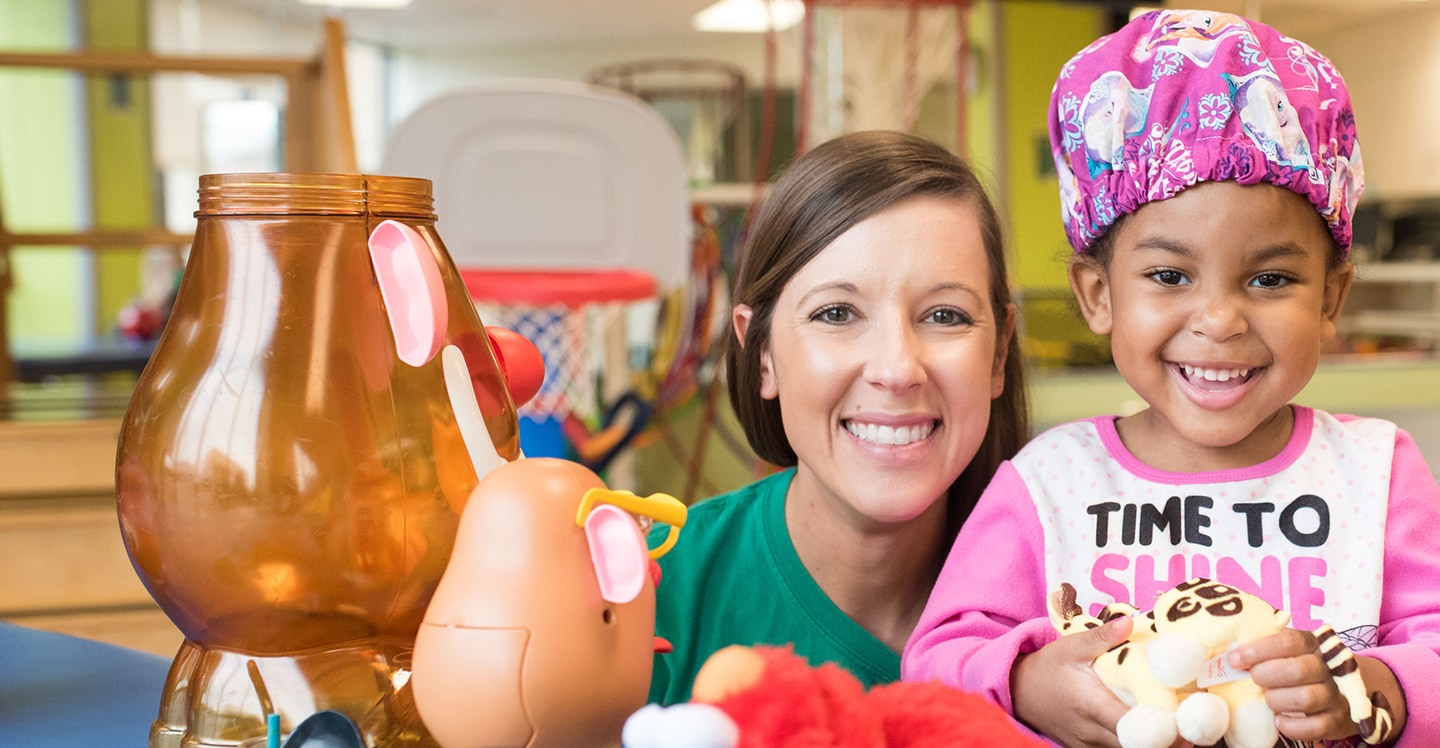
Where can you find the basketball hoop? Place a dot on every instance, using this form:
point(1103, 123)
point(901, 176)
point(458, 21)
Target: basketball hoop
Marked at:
point(583, 322)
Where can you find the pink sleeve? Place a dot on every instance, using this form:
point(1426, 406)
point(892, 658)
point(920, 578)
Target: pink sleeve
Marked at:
point(1410, 607)
point(988, 606)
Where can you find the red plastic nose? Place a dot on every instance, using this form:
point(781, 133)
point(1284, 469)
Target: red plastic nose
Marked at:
point(520, 361)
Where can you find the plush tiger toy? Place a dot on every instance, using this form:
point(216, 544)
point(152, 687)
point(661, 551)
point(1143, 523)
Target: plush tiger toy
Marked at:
point(1170, 671)
point(1370, 712)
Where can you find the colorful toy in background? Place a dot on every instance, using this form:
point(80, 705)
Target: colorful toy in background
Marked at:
point(769, 697)
point(1173, 674)
point(142, 318)
point(291, 471)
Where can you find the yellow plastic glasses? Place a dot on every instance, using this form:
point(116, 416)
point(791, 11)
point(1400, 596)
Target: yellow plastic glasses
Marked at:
point(659, 507)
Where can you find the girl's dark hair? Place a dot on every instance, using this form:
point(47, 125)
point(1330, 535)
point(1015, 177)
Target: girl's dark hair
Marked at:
point(819, 197)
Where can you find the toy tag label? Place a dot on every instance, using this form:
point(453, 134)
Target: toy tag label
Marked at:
point(1218, 670)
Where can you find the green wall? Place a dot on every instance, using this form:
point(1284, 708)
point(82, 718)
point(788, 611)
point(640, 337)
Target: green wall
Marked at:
point(68, 142)
point(123, 187)
point(40, 169)
point(1040, 37)
point(983, 142)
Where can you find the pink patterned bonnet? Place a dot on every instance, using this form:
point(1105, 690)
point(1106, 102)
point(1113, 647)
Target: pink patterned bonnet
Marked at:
point(1178, 97)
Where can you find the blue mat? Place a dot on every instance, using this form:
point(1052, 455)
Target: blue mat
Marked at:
point(58, 691)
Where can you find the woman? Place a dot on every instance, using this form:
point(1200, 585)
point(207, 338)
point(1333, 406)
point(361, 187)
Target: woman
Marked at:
point(874, 357)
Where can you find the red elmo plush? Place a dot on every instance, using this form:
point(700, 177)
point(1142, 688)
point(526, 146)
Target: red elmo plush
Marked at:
point(777, 700)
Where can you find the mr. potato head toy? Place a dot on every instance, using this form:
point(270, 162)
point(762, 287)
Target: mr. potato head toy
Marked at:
point(541, 631)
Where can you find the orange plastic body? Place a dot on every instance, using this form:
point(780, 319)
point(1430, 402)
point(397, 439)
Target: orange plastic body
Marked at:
point(518, 647)
point(288, 489)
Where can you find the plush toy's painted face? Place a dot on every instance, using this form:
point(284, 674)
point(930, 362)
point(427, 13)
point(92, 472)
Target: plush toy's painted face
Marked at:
point(1216, 615)
point(1203, 597)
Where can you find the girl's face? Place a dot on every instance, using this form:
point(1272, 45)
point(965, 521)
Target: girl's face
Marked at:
point(885, 355)
point(1217, 302)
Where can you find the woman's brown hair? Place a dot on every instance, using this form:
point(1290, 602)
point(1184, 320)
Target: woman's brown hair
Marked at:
point(819, 197)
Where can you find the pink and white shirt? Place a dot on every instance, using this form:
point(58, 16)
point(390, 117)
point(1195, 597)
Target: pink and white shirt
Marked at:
point(1341, 527)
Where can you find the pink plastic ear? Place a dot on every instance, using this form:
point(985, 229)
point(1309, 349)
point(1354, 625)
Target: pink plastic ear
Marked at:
point(520, 361)
point(412, 290)
point(617, 552)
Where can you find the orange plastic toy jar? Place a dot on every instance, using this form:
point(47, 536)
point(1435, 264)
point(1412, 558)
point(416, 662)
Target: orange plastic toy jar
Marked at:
point(288, 489)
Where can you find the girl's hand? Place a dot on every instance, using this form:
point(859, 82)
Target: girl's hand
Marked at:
point(1302, 693)
point(1298, 686)
point(1056, 692)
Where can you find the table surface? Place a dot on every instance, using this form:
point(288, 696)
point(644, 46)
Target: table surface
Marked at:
point(58, 691)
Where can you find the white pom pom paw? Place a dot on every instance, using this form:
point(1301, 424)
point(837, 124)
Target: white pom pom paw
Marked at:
point(1175, 660)
point(1252, 725)
point(1146, 726)
point(1202, 718)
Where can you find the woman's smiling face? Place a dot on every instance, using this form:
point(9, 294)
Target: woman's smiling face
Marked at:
point(885, 354)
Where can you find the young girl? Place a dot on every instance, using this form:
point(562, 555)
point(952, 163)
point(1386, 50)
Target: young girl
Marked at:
point(1208, 170)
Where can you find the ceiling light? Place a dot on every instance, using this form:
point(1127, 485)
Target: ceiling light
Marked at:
point(383, 4)
point(749, 15)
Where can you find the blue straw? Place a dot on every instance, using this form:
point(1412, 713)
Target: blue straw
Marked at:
point(272, 731)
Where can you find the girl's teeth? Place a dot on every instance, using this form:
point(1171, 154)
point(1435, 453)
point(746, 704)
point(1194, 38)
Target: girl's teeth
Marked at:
point(1214, 375)
point(898, 436)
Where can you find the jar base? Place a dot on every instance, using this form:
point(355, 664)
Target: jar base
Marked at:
point(216, 698)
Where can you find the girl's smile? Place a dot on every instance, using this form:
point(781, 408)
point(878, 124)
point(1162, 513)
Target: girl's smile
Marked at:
point(1216, 387)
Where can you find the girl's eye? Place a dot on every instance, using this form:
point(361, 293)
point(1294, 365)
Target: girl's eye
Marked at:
point(1270, 280)
point(950, 317)
point(837, 314)
point(1168, 277)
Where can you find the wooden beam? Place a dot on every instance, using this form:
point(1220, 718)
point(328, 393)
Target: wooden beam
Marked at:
point(97, 239)
point(140, 62)
point(335, 92)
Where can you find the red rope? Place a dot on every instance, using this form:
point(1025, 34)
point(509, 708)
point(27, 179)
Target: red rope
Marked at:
point(962, 76)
